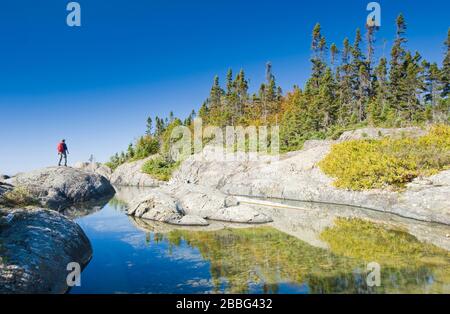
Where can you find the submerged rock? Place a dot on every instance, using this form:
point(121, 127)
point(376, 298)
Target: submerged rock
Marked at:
point(130, 174)
point(36, 247)
point(60, 187)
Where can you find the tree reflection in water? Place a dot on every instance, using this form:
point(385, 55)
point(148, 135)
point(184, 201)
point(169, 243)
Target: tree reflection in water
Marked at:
point(264, 257)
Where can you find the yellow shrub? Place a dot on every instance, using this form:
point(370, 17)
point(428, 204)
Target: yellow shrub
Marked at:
point(370, 164)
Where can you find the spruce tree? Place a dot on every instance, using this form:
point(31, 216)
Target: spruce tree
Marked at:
point(397, 73)
point(344, 82)
point(334, 53)
point(149, 126)
point(445, 76)
point(379, 108)
point(318, 47)
point(359, 78)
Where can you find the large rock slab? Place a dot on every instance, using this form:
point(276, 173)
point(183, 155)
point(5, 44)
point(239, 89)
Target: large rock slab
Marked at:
point(61, 187)
point(192, 205)
point(130, 174)
point(212, 204)
point(36, 247)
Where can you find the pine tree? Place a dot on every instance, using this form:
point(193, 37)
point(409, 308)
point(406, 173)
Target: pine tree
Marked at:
point(344, 82)
point(379, 109)
point(414, 85)
point(230, 86)
point(397, 93)
point(359, 78)
point(203, 113)
point(445, 76)
point(318, 47)
point(328, 106)
point(216, 93)
point(130, 151)
point(149, 126)
point(433, 86)
point(334, 53)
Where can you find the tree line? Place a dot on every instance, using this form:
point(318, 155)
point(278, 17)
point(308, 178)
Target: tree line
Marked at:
point(348, 88)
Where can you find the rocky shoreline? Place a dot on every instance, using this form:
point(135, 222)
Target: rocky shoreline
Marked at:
point(38, 241)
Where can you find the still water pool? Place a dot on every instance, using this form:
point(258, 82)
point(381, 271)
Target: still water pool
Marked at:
point(135, 256)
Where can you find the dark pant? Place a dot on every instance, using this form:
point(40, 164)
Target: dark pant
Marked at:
point(61, 156)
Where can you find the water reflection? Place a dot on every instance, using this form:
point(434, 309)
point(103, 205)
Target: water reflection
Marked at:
point(138, 256)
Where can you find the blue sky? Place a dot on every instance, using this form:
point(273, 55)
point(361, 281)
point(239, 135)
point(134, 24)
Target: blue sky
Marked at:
point(95, 85)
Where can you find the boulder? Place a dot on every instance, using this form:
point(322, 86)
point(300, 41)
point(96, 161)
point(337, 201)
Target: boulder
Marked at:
point(94, 167)
point(130, 174)
point(61, 187)
point(36, 247)
point(157, 206)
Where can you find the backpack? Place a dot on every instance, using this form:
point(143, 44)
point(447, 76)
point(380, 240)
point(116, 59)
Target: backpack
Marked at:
point(60, 148)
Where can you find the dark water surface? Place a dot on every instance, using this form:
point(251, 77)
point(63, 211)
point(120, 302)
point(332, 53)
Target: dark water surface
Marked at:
point(135, 256)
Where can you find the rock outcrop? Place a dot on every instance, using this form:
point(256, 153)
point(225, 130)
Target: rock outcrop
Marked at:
point(377, 133)
point(4, 177)
point(130, 174)
point(94, 167)
point(61, 187)
point(297, 176)
point(36, 247)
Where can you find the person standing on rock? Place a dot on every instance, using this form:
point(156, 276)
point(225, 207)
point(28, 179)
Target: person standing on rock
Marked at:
point(62, 151)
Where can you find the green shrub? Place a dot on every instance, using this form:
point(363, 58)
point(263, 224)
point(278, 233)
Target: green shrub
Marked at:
point(18, 197)
point(160, 168)
point(370, 164)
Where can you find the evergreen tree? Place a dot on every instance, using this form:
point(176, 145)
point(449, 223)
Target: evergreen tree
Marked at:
point(445, 76)
point(414, 85)
point(130, 151)
point(359, 78)
point(397, 92)
point(334, 53)
point(149, 126)
point(230, 84)
point(379, 108)
point(344, 81)
point(318, 47)
point(328, 106)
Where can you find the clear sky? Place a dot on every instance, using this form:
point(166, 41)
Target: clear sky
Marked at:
point(96, 85)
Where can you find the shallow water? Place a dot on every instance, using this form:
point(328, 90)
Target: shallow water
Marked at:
point(136, 256)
